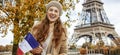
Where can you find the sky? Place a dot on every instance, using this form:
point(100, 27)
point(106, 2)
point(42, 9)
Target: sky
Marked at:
point(111, 7)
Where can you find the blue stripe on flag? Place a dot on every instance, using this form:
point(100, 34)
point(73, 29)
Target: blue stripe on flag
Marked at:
point(31, 40)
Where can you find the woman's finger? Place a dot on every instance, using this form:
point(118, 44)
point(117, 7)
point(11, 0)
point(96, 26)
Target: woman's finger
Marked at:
point(37, 50)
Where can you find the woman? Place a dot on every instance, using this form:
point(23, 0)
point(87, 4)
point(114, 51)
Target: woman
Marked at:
point(50, 32)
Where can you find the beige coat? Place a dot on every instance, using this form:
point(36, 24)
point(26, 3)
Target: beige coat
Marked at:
point(61, 48)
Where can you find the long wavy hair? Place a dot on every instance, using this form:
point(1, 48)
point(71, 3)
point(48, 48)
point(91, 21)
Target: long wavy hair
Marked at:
point(43, 30)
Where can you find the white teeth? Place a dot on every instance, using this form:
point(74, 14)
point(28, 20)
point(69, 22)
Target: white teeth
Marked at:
point(52, 16)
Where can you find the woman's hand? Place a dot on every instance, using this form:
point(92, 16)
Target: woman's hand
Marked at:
point(63, 54)
point(37, 50)
point(48, 54)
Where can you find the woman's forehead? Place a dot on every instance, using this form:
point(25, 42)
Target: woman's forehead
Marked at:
point(53, 7)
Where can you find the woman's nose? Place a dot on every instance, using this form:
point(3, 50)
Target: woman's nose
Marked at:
point(53, 12)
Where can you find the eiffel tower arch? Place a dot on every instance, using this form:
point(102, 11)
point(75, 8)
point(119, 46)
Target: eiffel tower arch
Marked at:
point(95, 24)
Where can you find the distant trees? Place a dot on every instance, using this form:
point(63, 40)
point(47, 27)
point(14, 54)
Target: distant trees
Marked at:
point(5, 48)
point(1, 48)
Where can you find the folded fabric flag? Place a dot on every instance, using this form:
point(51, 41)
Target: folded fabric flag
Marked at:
point(28, 43)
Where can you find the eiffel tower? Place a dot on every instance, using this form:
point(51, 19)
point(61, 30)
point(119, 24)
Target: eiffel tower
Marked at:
point(94, 24)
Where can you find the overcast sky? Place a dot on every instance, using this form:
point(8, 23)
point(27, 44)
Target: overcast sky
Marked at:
point(111, 7)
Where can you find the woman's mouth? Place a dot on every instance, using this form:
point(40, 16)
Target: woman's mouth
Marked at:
point(52, 16)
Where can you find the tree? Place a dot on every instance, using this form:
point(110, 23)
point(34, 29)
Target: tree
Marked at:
point(1, 48)
point(23, 15)
point(8, 48)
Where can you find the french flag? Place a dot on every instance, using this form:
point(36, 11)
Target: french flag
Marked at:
point(27, 44)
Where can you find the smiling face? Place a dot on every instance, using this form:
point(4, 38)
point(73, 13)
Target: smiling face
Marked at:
point(53, 14)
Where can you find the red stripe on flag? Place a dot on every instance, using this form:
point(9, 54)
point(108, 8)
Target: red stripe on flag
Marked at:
point(19, 52)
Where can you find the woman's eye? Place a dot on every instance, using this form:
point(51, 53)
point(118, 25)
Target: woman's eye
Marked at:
point(56, 11)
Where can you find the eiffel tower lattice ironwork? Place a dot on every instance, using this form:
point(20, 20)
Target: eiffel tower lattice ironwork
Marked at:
point(95, 24)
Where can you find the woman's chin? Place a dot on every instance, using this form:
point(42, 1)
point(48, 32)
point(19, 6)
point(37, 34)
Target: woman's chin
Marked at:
point(52, 21)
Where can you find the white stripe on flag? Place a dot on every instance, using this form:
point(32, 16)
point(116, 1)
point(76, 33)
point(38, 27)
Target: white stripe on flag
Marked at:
point(25, 46)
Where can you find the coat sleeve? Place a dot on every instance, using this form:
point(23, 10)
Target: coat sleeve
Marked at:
point(64, 48)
